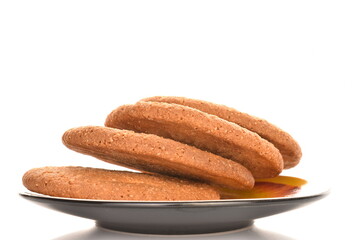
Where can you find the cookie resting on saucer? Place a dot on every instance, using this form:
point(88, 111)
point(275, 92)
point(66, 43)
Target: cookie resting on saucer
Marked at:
point(151, 153)
point(101, 184)
point(202, 130)
point(289, 148)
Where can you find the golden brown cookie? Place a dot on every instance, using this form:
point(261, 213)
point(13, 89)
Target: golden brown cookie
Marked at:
point(93, 183)
point(289, 148)
point(202, 130)
point(151, 153)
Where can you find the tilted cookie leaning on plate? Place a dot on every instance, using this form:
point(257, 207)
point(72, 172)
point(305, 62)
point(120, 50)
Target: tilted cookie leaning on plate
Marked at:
point(185, 149)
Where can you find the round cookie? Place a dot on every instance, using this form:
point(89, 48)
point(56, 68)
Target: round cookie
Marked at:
point(204, 131)
point(288, 147)
point(151, 153)
point(93, 183)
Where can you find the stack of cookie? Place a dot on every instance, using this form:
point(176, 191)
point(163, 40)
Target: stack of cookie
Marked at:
point(185, 149)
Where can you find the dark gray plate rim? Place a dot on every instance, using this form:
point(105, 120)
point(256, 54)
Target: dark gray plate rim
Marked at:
point(197, 203)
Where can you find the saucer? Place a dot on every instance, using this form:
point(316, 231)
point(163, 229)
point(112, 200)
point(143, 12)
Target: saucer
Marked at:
point(178, 217)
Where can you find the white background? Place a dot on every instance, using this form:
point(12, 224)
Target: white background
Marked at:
point(65, 64)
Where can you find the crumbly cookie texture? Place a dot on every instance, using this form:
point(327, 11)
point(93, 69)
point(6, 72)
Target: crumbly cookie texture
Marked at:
point(92, 183)
point(151, 153)
point(288, 147)
point(202, 130)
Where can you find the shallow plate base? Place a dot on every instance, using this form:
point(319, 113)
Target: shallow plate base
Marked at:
point(175, 229)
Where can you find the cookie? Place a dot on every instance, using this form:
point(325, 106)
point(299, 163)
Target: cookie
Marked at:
point(202, 130)
point(151, 153)
point(288, 147)
point(94, 183)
